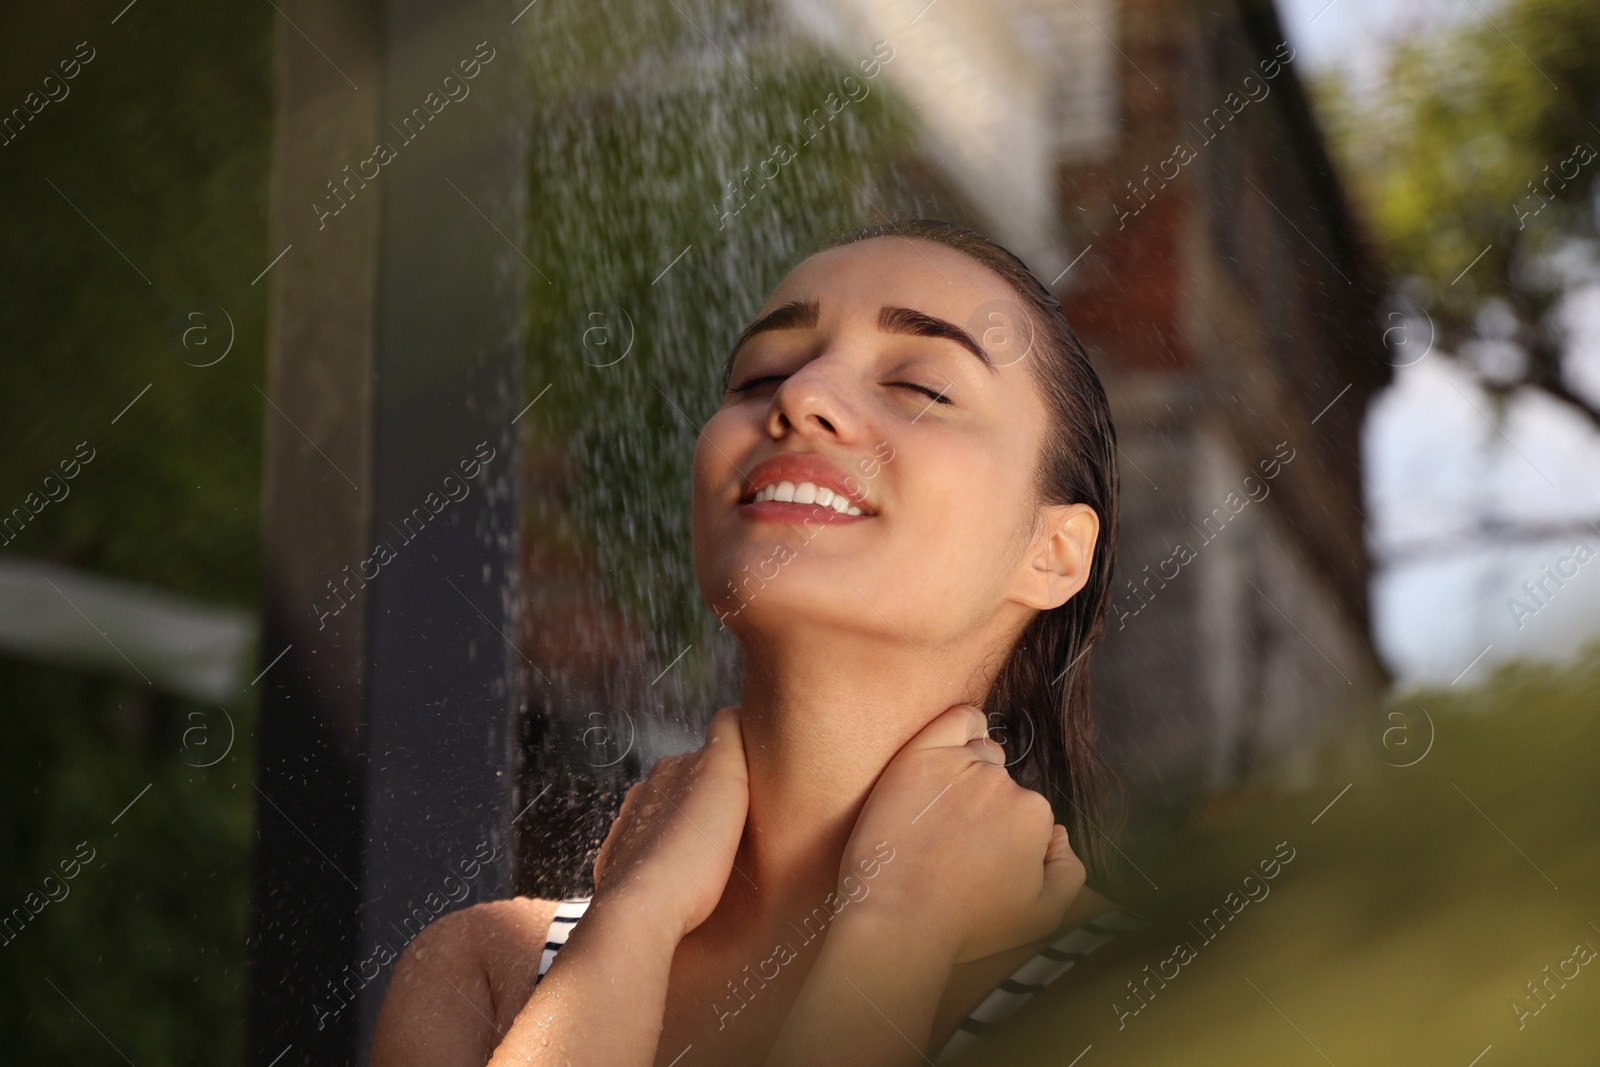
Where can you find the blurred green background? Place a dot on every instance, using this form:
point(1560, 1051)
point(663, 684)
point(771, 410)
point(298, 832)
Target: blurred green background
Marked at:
point(1415, 911)
point(164, 144)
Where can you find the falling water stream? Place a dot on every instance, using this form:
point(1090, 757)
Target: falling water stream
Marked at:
point(660, 219)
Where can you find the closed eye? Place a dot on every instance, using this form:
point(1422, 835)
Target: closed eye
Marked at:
point(936, 394)
point(753, 382)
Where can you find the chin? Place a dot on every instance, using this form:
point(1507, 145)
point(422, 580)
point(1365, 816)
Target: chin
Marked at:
point(817, 599)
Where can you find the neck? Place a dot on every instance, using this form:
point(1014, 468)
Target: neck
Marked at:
point(822, 715)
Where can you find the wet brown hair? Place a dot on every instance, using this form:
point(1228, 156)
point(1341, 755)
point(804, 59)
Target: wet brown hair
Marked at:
point(1041, 695)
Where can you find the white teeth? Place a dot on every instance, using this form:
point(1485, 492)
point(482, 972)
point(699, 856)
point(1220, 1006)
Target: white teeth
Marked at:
point(806, 493)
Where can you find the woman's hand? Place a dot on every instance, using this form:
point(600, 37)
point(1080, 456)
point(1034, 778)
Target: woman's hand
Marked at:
point(950, 861)
point(978, 863)
point(671, 847)
point(659, 874)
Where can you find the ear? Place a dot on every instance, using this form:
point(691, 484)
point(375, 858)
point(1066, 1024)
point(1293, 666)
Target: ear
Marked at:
point(1057, 563)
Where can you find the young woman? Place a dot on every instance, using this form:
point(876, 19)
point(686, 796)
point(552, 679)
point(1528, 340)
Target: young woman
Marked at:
point(905, 511)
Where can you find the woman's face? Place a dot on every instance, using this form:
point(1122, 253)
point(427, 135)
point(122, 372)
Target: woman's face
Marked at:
point(856, 389)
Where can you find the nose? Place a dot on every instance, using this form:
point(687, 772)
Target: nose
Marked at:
point(810, 403)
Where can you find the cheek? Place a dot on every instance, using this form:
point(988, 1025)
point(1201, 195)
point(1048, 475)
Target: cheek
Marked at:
point(724, 438)
point(978, 485)
point(1006, 489)
point(961, 523)
point(702, 524)
point(727, 436)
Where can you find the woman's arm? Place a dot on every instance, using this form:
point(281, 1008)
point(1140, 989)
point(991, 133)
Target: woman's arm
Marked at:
point(975, 867)
point(660, 873)
point(871, 997)
point(447, 1001)
point(604, 997)
point(460, 992)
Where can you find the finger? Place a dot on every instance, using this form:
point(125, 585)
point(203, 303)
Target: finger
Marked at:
point(721, 775)
point(1063, 873)
point(723, 757)
point(724, 729)
point(952, 728)
point(1062, 882)
point(987, 750)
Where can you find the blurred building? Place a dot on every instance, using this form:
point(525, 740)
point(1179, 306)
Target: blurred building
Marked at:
point(1157, 160)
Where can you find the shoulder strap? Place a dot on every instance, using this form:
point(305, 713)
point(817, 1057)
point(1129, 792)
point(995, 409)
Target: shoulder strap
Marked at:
point(1050, 963)
point(561, 923)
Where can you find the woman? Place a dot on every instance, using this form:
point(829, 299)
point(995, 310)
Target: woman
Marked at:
point(905, 510)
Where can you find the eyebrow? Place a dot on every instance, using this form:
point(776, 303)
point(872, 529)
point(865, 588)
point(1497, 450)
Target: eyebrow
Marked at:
point(920, 324)
point(803, 314)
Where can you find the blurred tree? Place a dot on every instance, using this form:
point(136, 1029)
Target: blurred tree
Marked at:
point(1476, 161)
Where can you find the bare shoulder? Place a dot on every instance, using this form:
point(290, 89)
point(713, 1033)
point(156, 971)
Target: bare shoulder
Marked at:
point(489, 953)
point(491, 933)
point(506, 938)
point(496, 926)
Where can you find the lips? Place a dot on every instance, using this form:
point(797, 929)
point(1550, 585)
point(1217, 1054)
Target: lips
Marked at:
point(810, 483)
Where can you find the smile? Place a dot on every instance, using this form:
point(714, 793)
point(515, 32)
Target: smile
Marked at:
point(793, 485)
point(807, 493)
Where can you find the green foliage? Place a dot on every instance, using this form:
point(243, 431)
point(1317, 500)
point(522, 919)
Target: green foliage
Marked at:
point(148, 940)
point(163, 146)
point(1469, 144)
point(169, 162)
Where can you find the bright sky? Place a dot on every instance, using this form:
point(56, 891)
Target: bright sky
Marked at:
point(1329, 29)
point(1441, 461)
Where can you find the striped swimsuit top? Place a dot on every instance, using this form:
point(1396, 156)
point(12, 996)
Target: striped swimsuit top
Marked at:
point(1045, 967)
